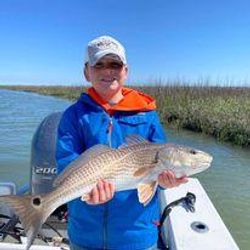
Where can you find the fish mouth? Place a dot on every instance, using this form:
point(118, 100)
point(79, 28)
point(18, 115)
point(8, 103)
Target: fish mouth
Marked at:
point(198, 169)
point(206, 160)
point(203, 166)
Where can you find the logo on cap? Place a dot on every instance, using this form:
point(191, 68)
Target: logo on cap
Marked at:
point(102, 46)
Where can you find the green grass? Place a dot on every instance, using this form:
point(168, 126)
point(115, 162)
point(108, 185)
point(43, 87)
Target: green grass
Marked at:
point(223, 112)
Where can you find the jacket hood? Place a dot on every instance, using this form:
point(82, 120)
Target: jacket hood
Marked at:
point(133, 101)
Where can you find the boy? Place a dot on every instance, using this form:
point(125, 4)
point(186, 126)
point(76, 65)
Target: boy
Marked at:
point(106, 115)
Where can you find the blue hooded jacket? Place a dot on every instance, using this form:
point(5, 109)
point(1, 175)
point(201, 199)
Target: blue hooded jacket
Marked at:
point(122, 222)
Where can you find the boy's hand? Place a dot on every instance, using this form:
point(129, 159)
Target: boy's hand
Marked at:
point(167, 179)
point(103, 192)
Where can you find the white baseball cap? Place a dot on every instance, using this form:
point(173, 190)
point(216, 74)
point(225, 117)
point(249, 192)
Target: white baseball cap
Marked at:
point(102, 46)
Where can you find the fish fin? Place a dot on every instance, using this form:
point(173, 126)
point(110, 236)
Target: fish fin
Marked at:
point(146, 192)
point(31, 211)
point(144, 170)
point(141, 172)
point(87, 155)
point(133, 139)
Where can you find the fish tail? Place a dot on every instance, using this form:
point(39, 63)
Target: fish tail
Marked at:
point(32, 212)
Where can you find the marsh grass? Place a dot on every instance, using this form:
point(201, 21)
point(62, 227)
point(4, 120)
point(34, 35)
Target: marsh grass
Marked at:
point(223, 112)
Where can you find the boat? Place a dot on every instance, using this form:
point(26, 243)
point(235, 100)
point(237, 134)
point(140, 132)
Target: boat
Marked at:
point(189, 219)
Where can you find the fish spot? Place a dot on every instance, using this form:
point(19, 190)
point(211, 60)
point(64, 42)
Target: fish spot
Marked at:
point(36, 201)
point(193, 152)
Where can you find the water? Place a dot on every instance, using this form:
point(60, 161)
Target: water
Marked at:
point(20, 114)
point(227, 181)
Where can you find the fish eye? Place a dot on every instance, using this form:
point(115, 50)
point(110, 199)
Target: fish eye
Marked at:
point(193, 152)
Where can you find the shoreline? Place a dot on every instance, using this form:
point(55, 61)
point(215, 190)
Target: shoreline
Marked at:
point(222, 112)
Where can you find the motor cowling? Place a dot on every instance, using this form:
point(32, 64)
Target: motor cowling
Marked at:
point(43, 162)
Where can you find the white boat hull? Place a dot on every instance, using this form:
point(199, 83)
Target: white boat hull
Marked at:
point(177, 230)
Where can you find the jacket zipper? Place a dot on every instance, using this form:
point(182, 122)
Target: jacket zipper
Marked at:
point(109, 131)
point(105, 236)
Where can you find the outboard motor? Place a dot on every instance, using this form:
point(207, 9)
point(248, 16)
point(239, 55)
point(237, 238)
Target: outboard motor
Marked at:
point(43, 163)
point(42, 175)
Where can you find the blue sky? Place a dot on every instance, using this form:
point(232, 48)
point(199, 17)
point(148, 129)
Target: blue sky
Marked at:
point(43, 42)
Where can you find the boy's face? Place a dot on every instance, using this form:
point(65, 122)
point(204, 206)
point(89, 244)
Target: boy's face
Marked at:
point(107, 76)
